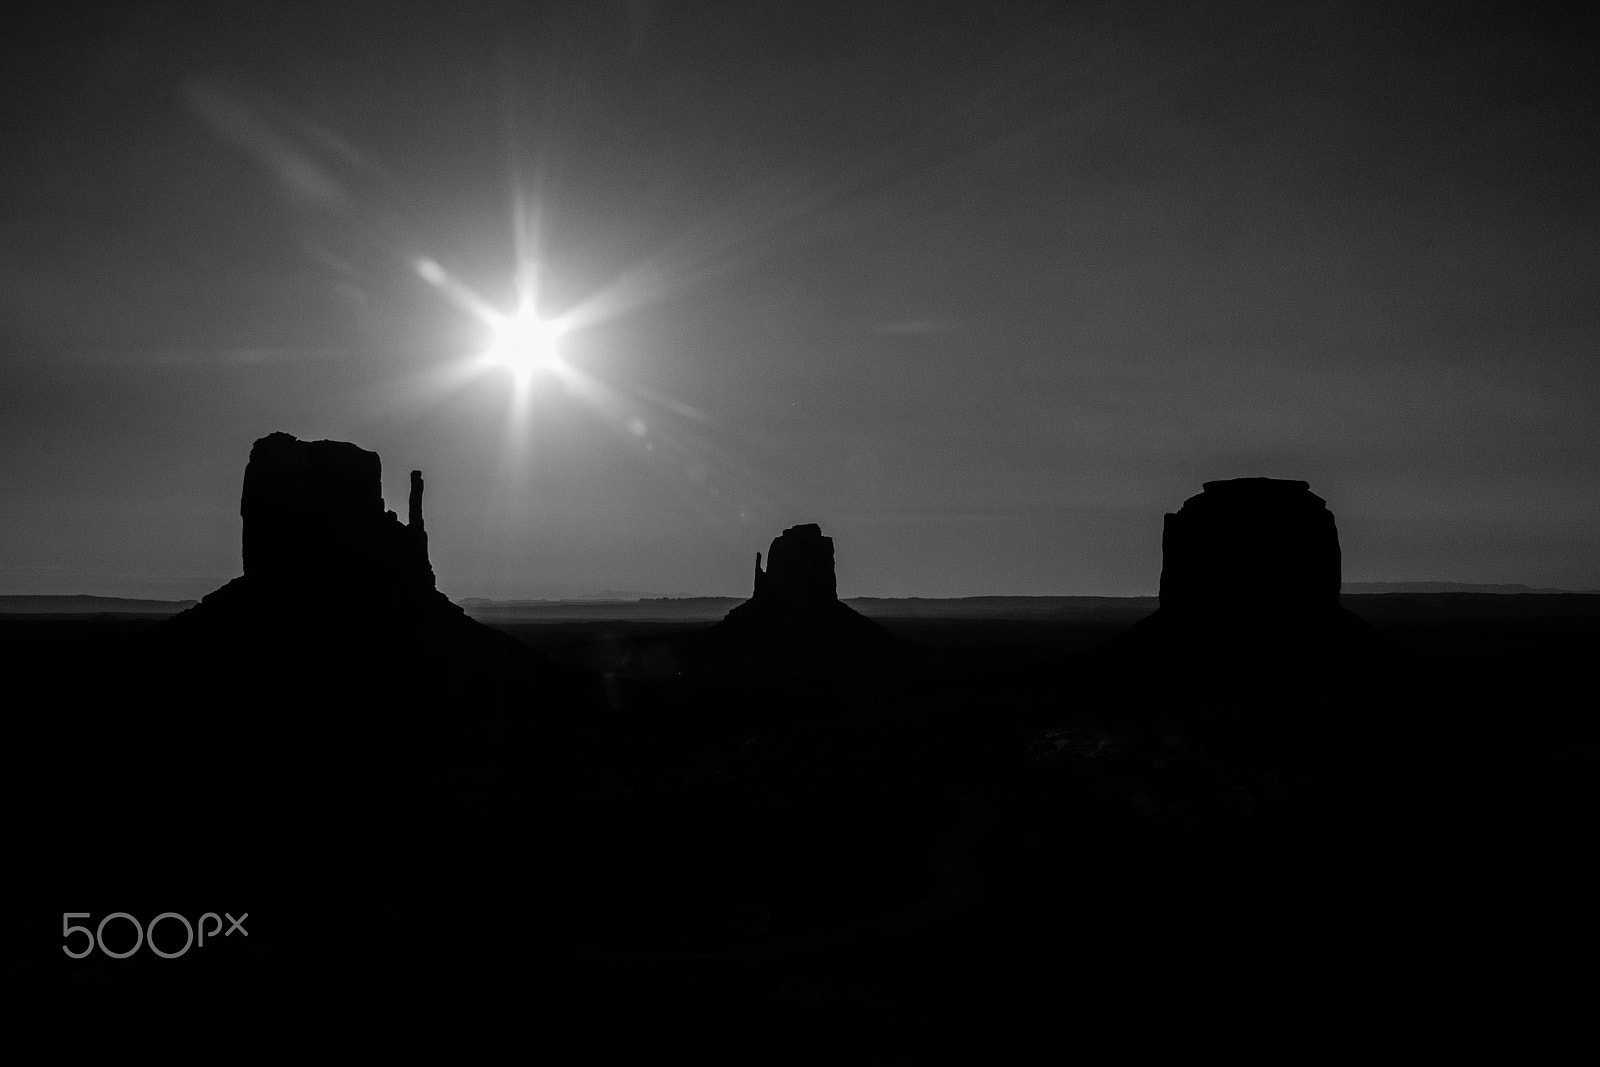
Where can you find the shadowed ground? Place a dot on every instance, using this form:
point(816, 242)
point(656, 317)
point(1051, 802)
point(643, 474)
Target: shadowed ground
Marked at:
point(956, 835)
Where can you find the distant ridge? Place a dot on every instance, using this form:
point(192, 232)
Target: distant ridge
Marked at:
point(85, 604)
point(717, 606)
point(1001, 607)
point(687, 608)
point(707, 609)
point(605, 596)
point(1443, 587)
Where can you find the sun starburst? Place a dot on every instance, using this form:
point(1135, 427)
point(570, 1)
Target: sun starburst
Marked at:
point(525, 344)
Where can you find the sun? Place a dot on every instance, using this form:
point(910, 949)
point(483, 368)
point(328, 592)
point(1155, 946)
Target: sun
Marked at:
point(525, 345)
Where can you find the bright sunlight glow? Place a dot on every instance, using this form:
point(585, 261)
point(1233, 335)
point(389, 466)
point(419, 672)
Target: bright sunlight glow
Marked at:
point(525, 345)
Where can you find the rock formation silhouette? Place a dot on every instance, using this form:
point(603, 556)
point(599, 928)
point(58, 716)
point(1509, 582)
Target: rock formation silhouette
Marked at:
point(315, 524)
point(1234, 772)
point(1335, 730)
point(1251, 568)
point(794, 616)
point(1247, 546)
point(799, 569)
point(333, 718)
point(1236, 696)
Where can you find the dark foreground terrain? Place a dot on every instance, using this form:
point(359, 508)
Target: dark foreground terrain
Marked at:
point(1006, 831)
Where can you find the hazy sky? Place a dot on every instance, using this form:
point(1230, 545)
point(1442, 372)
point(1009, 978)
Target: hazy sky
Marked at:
point(984, 288)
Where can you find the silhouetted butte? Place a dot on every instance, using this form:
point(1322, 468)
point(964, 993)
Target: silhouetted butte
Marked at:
point(1242, 694)
point(333, 719)
point(1250, 580)
point(794, 617)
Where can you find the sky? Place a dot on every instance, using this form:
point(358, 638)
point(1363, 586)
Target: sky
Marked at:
point(982, 288)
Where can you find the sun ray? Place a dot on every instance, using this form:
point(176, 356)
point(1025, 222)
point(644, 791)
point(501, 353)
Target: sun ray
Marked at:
point(421, 390)
point(929, 137)
point(457, 292)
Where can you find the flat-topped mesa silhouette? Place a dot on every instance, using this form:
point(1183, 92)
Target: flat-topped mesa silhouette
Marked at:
point(1249, 602)
point(1248, 546)
point(313, 516)
point(794, 614)
point(1250, 566)
point(1242, 697)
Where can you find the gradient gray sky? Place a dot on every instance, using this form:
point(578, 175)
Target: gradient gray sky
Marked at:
point(983, 288)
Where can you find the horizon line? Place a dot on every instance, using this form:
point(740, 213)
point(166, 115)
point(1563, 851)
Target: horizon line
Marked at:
point(631, 598)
